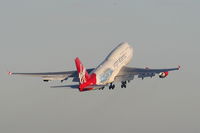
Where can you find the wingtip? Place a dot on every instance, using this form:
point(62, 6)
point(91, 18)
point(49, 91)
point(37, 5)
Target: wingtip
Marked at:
point(9, 73)
point(179, 67)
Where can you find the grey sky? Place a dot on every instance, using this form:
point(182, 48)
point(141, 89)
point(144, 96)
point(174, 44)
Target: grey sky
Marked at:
point(46, 35)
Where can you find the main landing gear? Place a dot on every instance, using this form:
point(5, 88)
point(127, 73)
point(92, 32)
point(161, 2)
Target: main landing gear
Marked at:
point(123, 84)
point(101, 88)
point(112, 86)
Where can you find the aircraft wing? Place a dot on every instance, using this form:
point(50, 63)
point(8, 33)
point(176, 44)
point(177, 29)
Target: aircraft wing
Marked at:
point(47, 76)
point(128, 73)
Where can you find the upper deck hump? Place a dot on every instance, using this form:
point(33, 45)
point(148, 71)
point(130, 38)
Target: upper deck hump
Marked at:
point(120, 48)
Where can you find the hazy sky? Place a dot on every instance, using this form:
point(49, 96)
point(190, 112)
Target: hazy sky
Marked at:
point(46, 35)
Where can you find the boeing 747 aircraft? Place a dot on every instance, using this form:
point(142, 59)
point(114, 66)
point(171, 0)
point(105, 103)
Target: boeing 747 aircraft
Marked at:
point(113, 69)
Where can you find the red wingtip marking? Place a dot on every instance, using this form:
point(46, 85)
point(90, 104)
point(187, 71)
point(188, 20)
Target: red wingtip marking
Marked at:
point(179, 67)
point(9, 73)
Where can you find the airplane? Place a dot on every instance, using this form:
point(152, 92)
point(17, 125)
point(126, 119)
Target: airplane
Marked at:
point(113, 69)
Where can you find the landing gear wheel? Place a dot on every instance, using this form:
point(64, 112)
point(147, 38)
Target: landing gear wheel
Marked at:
point(101, 88)
point(109, 87)
point(112, 86)
point(123, 84)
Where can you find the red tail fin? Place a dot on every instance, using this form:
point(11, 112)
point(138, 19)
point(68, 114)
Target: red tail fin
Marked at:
point(83, 74)
point(84, 77)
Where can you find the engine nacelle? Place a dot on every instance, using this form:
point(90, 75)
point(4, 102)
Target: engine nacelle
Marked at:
point(163, 74)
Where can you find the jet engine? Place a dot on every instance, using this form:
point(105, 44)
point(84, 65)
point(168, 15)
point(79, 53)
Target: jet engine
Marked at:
point(163, 74)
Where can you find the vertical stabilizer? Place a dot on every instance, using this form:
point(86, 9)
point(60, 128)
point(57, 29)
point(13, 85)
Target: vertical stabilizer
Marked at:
point(84, 78)
point(82, 73)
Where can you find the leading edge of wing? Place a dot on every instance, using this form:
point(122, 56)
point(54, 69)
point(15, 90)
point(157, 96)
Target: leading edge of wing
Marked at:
point(69, 73)
point(42, 73)
point(135, 71)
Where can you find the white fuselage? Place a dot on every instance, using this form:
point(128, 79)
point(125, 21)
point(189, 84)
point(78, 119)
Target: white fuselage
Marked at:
point(110, 67)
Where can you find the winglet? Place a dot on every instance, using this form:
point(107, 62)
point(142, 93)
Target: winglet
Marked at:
point(10, 73)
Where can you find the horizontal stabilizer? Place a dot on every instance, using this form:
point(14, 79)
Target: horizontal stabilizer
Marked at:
point(77, 86)
point(65, 86)
point(95, 86)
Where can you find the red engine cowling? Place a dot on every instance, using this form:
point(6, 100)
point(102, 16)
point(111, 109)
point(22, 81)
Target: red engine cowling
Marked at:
point(163, 74)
